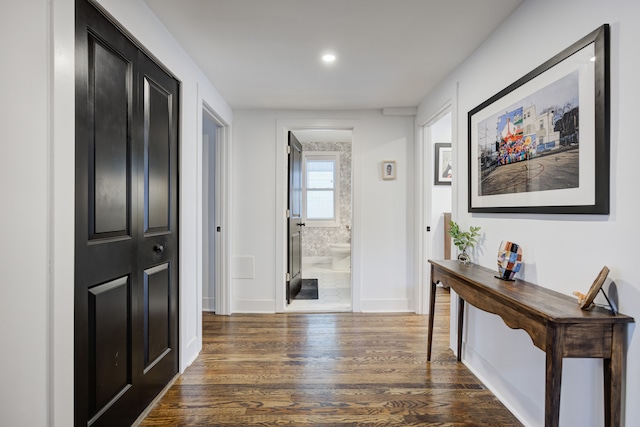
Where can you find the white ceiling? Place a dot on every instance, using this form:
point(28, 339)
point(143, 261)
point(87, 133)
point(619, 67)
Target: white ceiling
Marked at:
point(391, 53)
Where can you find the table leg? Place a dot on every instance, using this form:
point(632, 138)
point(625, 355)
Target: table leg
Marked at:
point(553, 382)
point(432, 309)
point(460, 324)
point(613, 378)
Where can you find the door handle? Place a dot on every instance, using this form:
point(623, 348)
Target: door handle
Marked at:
point(301, 224)
point(158, 248)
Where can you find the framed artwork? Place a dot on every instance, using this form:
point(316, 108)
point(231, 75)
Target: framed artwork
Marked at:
point(542, 144)
point(388, 169)
point(443, 164)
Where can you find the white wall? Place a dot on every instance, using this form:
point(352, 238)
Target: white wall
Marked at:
point(562, 252)
point(383, 212)
point(37, 189)
point(25, 213)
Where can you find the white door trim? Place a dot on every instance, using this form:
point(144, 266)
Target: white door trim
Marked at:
point(223, 215)
point(283, 127)
point(423, 186)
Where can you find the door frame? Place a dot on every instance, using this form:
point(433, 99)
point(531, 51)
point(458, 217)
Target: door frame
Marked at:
point(223, 216)
point(283, 128)
point(423, 195)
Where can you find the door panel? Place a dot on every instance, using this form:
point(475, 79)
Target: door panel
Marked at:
point(158, 240)
point(109, 348)
point(109, 176)
point(126, 282)
point(157, 290)
point(104, 270)
point(157, 137)
point(295, 218)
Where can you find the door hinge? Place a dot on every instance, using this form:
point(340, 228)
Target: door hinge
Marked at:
point(288, 277)
point(288, 213)
point(288, 149)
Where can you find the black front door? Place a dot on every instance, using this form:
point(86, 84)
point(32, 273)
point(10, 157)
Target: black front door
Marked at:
point(126, 269)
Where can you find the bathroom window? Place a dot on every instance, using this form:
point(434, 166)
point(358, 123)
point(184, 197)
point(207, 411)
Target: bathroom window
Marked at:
point(321, 188)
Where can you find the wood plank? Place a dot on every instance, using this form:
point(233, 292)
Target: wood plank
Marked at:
point(327, 369)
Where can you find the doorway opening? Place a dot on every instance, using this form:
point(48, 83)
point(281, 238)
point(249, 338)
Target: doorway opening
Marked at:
point(434, 196)
point(210, 210)
point(437, 142)
point(212, 225)
point(325, 219)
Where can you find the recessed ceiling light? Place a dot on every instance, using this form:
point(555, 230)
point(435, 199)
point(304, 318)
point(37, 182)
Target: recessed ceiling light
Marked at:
point(328, 58)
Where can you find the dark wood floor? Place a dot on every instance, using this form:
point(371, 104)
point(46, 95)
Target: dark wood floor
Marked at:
point(327, 370)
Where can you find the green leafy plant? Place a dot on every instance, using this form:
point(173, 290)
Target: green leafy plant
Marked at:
point(464, 240)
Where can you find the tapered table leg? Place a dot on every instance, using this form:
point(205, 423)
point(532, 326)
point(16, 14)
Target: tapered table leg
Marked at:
point(553, 380)
point(460, 326)
point(432, 309)
point(613, 378)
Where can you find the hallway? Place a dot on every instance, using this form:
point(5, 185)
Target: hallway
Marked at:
point(327, 369)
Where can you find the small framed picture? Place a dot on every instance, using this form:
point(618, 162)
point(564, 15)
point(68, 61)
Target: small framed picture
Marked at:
point(585, 304)
point(388, 169)
point(442, 166)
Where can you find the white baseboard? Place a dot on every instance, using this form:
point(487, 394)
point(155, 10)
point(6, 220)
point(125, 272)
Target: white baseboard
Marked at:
point(254, 306)
point(387, 306)
point(189, 354)
point(209, 304)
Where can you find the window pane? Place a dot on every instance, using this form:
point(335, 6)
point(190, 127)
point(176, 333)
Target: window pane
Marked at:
point(319, 204)
point(320, 173)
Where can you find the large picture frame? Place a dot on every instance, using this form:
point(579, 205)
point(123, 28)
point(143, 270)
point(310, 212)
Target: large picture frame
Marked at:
point(443, 169)
point(541, 145)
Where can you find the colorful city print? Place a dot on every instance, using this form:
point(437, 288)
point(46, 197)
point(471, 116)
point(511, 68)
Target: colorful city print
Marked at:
point(545, 123)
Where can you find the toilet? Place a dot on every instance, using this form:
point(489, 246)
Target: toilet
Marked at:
point(340, 256)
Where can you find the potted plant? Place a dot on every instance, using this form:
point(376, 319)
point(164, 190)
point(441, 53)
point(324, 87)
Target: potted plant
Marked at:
point(464, 240)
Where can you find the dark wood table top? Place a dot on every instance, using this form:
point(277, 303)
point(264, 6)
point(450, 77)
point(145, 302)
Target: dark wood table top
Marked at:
point(520, 295)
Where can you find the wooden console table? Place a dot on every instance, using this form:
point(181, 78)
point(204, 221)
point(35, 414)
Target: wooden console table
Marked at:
point(554, 322)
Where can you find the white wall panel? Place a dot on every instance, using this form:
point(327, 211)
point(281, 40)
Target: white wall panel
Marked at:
point(25, 215)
